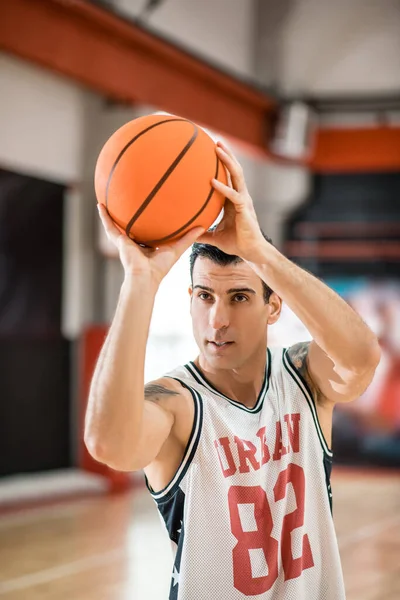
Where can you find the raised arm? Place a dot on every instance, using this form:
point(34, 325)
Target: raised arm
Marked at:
point(341, 359)
point(122, 429)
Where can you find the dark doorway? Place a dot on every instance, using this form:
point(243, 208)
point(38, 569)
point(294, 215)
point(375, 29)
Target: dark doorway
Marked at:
point(34, 356)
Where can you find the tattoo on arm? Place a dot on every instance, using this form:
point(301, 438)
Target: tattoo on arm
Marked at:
point(154, 391)
point(298, 355)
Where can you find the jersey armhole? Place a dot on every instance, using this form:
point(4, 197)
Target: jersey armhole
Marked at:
point(169, 490)
point(302, 384)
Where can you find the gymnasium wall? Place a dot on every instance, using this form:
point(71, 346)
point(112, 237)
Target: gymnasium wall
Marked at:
point(314, 48)
point(41, 121)
point(219, 31)
point(324, 48)
point(38, 108)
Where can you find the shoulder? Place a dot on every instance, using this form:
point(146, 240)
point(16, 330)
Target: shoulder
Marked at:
point(165, 391)
point(170, 395)
point(162, 388)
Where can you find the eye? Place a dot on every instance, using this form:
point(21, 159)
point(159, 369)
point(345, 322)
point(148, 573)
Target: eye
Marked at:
point(240, 298)
point(204, 296)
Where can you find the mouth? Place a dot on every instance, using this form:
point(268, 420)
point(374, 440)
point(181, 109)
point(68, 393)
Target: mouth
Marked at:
point(219, 344)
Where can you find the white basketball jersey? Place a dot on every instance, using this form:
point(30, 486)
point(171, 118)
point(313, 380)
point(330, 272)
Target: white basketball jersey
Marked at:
point(249, 509)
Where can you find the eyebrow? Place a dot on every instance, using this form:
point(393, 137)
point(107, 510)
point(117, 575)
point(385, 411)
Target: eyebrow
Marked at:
point(231, 291)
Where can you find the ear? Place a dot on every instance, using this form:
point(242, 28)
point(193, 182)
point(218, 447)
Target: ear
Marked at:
point(275, 308)
point(190, 290)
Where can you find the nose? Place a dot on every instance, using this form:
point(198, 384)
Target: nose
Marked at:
point(219, 316)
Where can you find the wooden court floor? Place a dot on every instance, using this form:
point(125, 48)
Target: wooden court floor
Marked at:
point(115, 548)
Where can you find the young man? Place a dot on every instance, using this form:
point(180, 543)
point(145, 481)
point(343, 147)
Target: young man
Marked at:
point(235, 445)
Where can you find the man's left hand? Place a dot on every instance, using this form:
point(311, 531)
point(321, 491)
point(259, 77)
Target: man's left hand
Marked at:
point(238, 232)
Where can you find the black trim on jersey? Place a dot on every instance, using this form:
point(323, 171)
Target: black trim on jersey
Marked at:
point(174, 589)
point(199, 376)
point(328, 471)
point(170, 489)
point(172, 512)
point(303, 386)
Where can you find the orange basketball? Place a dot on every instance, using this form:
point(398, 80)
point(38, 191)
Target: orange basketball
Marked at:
point(154, 176)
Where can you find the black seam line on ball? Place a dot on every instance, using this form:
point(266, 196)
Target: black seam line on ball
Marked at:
point(125, 148)
point(163, 179)
point(171, 235)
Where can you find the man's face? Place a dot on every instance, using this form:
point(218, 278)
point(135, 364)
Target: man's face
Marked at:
point(229, 313)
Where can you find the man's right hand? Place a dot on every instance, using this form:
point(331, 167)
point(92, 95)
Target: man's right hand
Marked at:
point(136, 260)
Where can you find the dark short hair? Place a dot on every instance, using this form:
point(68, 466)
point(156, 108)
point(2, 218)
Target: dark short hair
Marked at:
point(221, 258)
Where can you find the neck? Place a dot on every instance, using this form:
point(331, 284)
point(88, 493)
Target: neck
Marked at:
point(242, 384)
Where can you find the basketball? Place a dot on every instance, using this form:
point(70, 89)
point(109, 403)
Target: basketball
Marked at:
point(154, 176)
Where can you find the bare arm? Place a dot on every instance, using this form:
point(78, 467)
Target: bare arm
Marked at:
point(122, 429)
point(163, 398)
point(127, 423)
point(116, 410)
point(325, 384)
point(342, 358)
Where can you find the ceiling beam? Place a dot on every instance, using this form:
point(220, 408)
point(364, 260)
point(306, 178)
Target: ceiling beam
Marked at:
point(128, 64)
